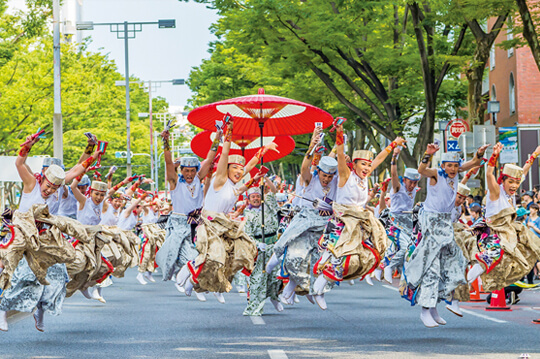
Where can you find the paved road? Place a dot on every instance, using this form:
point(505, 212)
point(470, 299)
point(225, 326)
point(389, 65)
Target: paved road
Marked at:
point(155, 321)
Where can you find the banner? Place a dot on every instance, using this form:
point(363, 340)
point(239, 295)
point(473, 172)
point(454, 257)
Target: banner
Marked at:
point(508, 137)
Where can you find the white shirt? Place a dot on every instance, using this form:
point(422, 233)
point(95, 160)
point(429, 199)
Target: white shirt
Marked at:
point(54, 200)
point(315, 190)
point(151, 217)
point(68, 205)
point(503, 202)
point(110, 217)
point(221, 201)
point(402, 200)
point(187, 197)
point(441, 198)
point(91, 213)
point(127, 224)
point(354, 192)
point(29, 199)
point(299, 190)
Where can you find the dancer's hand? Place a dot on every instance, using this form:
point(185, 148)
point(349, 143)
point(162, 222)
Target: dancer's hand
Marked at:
point(432, 148)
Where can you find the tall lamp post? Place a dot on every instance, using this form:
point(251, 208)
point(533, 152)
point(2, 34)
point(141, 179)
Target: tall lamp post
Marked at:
point(125, 31)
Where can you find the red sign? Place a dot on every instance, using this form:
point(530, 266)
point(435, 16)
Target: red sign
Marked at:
point(457, 127)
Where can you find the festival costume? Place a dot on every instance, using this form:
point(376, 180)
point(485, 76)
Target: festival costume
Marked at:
point(400, 226)
point(47, 253)
point(508, 250)
point(224, 248)
point(262, 285)
point(153, 237)
point(299, 243)
point(178, 248)
point(437, 265)
point(353, 240)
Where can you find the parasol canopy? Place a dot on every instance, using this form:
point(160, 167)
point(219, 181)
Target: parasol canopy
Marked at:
point(200, 145)
point(280, 115)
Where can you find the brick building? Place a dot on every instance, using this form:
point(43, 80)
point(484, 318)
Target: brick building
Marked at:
point(513, 79)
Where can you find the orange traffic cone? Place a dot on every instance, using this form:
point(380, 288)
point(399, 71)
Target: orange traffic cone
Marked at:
point(475, 292)
point(498, 301)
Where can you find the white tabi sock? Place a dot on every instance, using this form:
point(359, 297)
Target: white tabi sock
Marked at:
point(436, 317)
point(388, 274)
point(277, 305)
point(38, 317)
point(183, 275)
point(319, 299)
point(140, 278)
point(289, 289)
point(200, 296)
point(378, 274)
point(320, 283)
point(454, 308)
point(427, 319)
point(219, 297)
point(3, 321)
point(188, 288)
point(272, 263)
point(474, 272)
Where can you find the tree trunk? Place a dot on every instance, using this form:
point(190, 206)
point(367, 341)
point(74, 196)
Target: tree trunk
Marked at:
point(529, 30)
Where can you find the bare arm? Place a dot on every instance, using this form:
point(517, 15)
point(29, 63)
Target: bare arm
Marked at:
point(343, 170)
point(270, 185)
point(92, 142)
point(475, 162)
point(384, 153)
point(81, 168)
point(170, 171)
point(530, 161)
point(393, 170)
point(493, 186)
point(426, 159)
point(208, 163)
point(27, 177)
point(306, 162)
point(81, 198)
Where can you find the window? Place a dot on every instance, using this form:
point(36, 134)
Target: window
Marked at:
point(510, 36)
point(493, 93)
point(492, 57)
point(512, 94)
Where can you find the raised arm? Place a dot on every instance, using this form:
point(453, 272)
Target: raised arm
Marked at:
point(207, 164)
point(477, 159)
point(384, 191)
point(384, 153)
point(343, 170)
point(170, 172)
point(493, 186)
point(393, 170)
point(305, 170)
point(260, 154)
point(80, 197)
point(530, 161)
point(81, 168)
point(270, 185)
point(134, 203)
point(426, 159)
point(222, 172)
point(29, 181)
point(92, 142)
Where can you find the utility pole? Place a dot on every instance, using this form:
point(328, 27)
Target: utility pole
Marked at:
point(57, 115)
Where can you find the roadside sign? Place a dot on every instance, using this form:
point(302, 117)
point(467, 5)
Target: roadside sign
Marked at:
point(457, 127)
point(452, 146)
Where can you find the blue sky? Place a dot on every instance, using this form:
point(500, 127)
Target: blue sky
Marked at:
point(155, 54)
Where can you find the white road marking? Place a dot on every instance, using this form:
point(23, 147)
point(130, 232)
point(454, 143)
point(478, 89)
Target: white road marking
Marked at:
point(390, 287)
point(470, 312)
point(243, 294)
point(277, 354)
point(257, 320)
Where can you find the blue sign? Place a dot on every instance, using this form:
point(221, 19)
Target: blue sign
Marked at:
point(452, 146)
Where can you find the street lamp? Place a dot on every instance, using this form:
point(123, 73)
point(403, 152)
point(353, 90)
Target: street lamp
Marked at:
point(148, 87)
point(494, 107)
point(125, 31)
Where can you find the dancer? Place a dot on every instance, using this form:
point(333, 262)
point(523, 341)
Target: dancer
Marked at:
point(224, 248)
point(26, 292)
point(437, 265)
point(262, 285)
point(298, 244)
point(354, 240)
point(187, 200)
point(508, 250)
point(68, 205)
point(402, 201)
point(153, 237)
